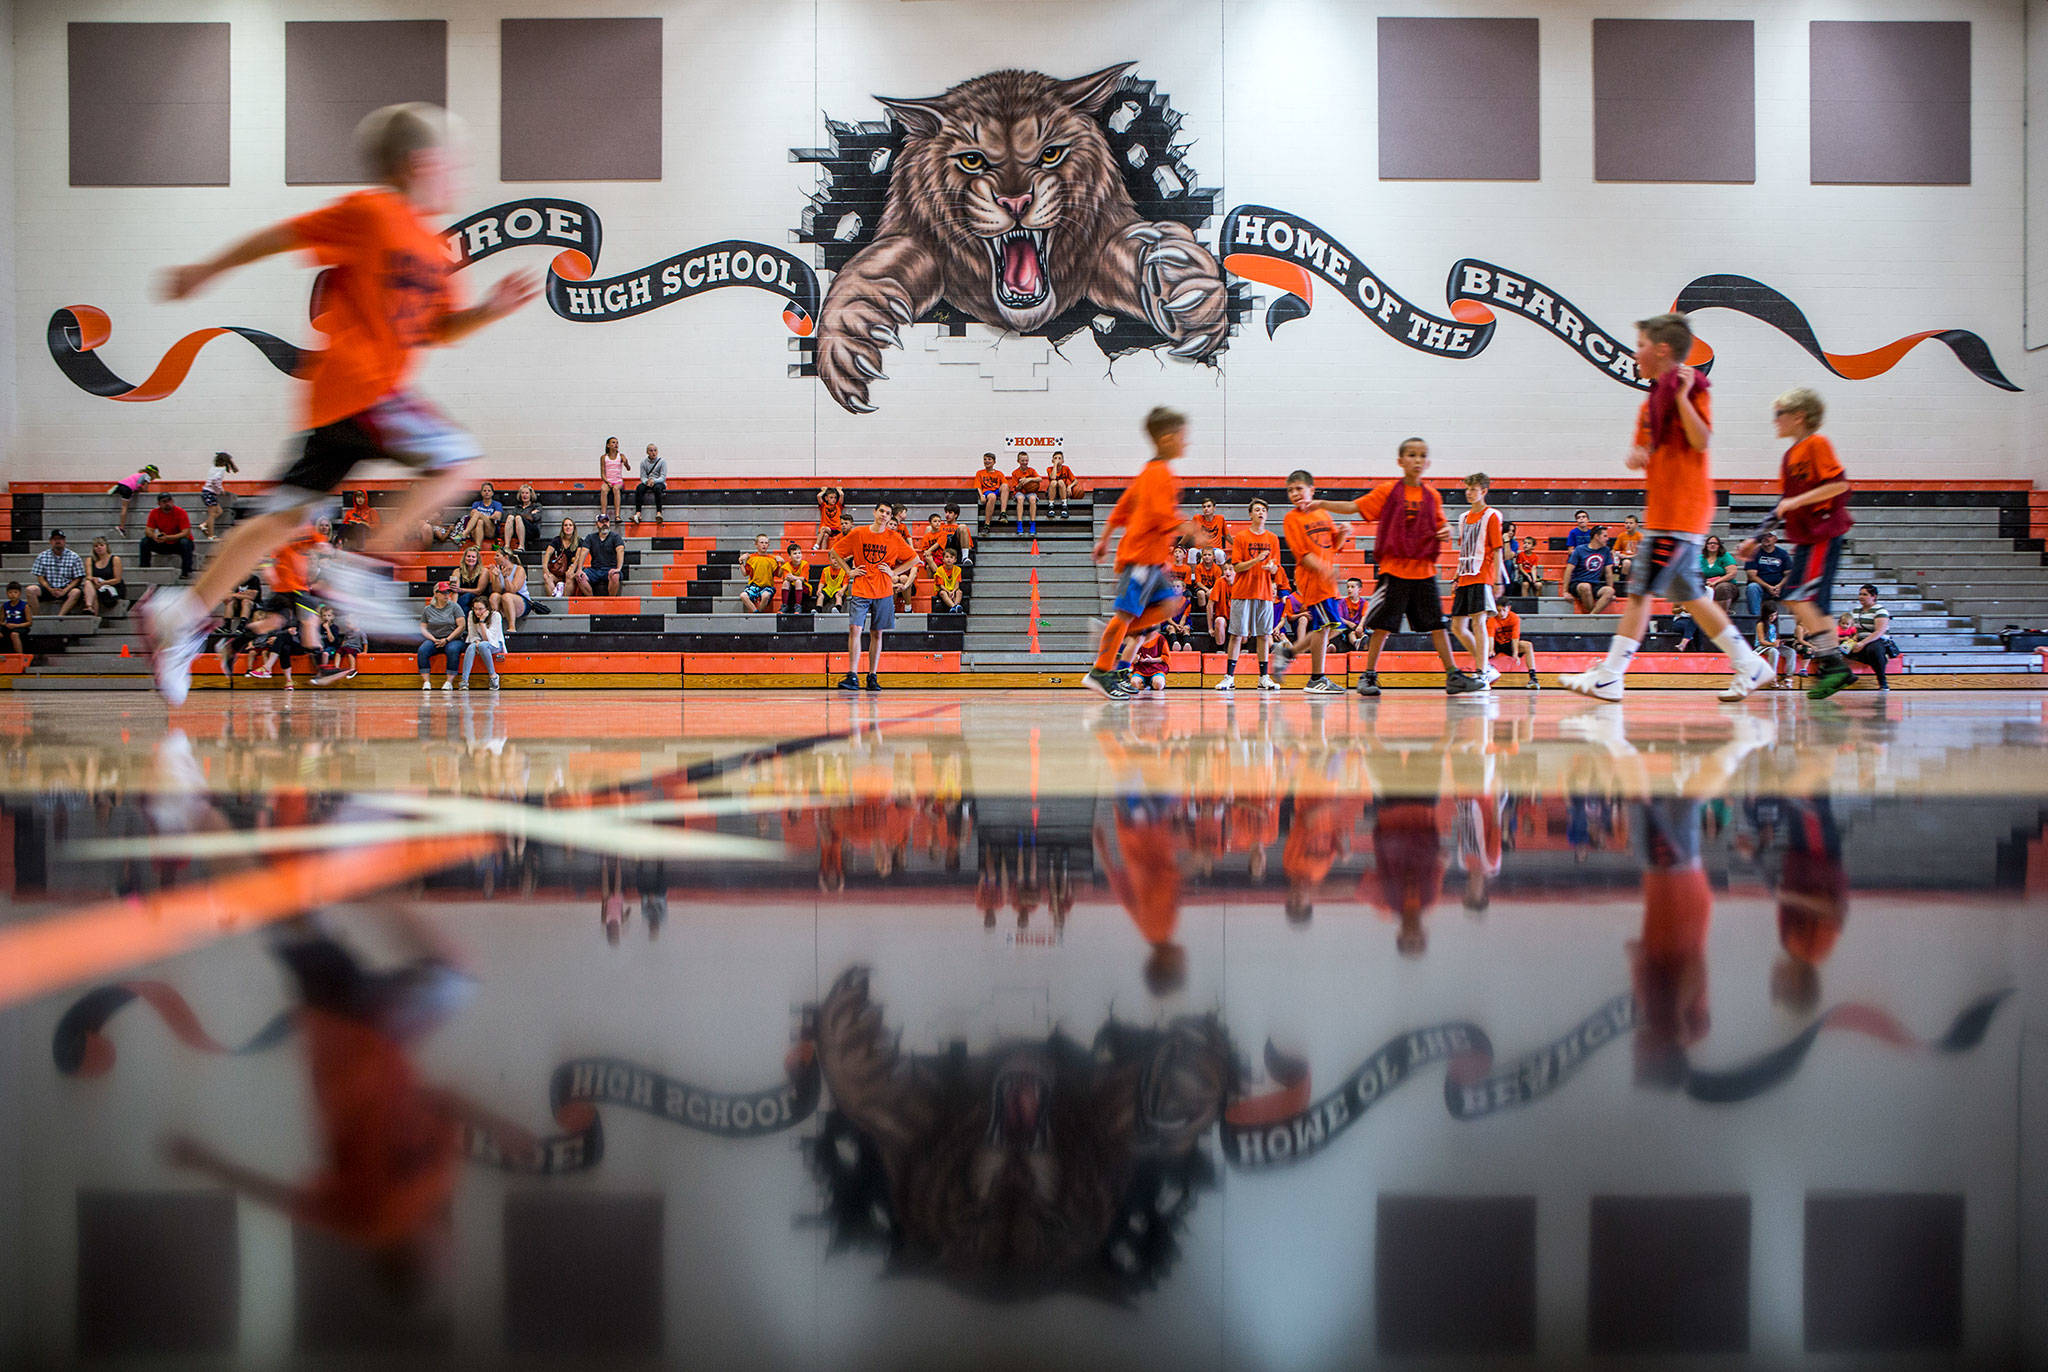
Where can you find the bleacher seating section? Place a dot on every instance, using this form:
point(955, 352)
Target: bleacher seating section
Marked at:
point(1955, 562)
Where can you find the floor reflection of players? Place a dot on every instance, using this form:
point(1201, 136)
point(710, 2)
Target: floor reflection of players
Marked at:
point(1668, 960)
point(1138, 846)
point(392, 1143)
point(1813, 899)
point(1407, 840)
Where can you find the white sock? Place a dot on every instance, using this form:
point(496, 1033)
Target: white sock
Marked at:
point(1620, 653)
point(1731, 642)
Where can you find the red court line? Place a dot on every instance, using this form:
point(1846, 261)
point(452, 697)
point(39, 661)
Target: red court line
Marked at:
point(50, 954)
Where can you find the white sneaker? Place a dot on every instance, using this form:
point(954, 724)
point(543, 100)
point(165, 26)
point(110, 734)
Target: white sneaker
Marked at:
point(1490, 675)
point(363, 591)
point(1595, 681)
point(449, 684)
point(1602, 728)
point(1267, 683)
point(426, 684)
point(1228, 683)
point(175, 624)
point(1749, 679)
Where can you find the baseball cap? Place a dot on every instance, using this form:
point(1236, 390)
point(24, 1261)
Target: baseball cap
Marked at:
point(444, 585)
point(163, 497)
point(56, 533)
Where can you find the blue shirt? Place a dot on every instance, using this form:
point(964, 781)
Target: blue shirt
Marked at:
point(14, 612)
point(1577, 539)
point(489, 507)
point(1590, 564)
point(1770, 566)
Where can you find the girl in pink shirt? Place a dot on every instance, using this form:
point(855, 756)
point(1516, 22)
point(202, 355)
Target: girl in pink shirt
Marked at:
point(611, 486)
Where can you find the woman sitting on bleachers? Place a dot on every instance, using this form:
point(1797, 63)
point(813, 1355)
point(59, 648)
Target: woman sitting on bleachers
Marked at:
point(103, 583)
point(561, 560)
point(522, 521)
point(511, 600)
point(483, 637)
point(473, 580)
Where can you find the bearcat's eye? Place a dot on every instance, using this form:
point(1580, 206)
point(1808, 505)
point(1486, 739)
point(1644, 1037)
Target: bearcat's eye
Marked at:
point(971, 161)
point(1053, 155)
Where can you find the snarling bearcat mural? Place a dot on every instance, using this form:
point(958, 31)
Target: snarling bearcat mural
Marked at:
point(1027, 203)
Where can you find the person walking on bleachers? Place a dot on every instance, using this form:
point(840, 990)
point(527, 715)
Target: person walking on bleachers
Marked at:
point(126, 489)
point(440, 626)
point(522, 521)
point(611, 480)
point(104, 582)
point(214, 493)
point(601, 560)
point(510, 600)
point(653, 481)
point(483, 636)
point(59, 576)
point(876, 558)
point(559, 563)
point(168, 533)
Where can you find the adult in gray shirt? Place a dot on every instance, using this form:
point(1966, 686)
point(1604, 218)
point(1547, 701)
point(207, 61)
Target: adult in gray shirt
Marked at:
point(440, 632)
point(653, 477)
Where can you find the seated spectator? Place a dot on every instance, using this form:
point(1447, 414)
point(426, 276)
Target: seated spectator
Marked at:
point(17, 617)
point(104, 583)
point(1870, 640)
point(1589, 574)
point(760, 571)
point(831, 516)
point(831, 589)
point(510, 600)
point(444, 528)
point(1290, 632)
point(485, 516)
point(340, 644)
point(559, 562)
point(1351, 635)
point(611, 481)
point(1025, 484)
point(472, 579)
point(601, 561)
point(1061, 485)
point(1718, 570)
point(1508, 642)
point(1213, 525)
point(1625, 547)
point(214, 494)
point(653, 481)
point(233, 633)
point(1148, 664)
point(1581, 532)
point(946, 583)
point(1771, 647)
point(483, 636)
point(796, 579)
point(1769, 568)
point(958, 536)
point(523, 520)
point(168, 533)
point(1524, 572)
point(440, 626)
point(990, 491)
point(1175, 628)
point(59, 577)
point(126, 489)
point(359, 511)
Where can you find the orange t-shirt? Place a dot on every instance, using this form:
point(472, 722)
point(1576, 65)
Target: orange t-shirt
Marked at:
point(1810, 463)
point(1149, 514)
point(1217, 527)
point(872, 555)
point(988, 480)
point(1680, 496)
point(1507, 627)
point(831, 512)
point(1479, 550)
point(1060, 471)
point(1255, 582)
point(1022, 473)
point(1412, 568)
point(288, 568)
point(1314, 534)
point(1147, 881)
point(388, 294)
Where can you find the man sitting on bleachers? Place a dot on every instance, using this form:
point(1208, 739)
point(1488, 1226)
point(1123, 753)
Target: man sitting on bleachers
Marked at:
point(1589, 577)
point(600, 561)
point(59, 576)
point(168, 534)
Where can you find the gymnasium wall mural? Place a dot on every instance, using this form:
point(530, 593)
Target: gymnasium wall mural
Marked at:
point(1040, 207)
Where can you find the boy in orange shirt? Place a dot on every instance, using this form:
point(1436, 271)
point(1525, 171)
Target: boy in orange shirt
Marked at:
point(1314, 538)
point(1508, 642)
point(1061, 485)
point(946, 583)
point(1815, 511)
point(1024, 482)
point(1673, 429)
point(831, 516)
point(388, 296)
point(796, 578)
point(990, 491)
point(1479, 571)
point(876, 558)
point(1149, 514)
point(1405, 548)
point(1254, 558)
point(1213, 524)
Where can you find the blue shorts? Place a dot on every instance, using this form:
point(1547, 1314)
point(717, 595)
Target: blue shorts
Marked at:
point(209, 499)
point(876, 614)
point(1324, 615)
point(1139, 588)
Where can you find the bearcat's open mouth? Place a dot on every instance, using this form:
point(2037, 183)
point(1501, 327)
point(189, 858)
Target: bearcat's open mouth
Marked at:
point(1017, 262)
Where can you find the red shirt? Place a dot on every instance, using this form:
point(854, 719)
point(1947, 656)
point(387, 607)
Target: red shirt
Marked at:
point(170, 520)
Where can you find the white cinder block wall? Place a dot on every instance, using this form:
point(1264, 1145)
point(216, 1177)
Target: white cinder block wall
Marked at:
point(1279, 106)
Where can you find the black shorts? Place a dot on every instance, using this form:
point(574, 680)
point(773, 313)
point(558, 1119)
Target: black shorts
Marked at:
point(290, 604)
point(1812, 577)
point(400, 428)
point(1476, 599)
point(1415, 599)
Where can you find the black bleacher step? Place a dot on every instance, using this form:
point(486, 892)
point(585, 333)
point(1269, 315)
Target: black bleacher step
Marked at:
point(829, 642)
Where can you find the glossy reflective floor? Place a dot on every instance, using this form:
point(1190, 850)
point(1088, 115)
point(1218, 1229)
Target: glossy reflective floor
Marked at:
point(1024, 1031)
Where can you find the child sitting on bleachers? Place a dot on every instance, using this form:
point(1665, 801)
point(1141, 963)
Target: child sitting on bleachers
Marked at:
point(946, 581)
point(831, 589)
point(831, 516)
point(989, 491)
point(1149, 666)
point(796, 579)
point(762, 570)
point(16, 617)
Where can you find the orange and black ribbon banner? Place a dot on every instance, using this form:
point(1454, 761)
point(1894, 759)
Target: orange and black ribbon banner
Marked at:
point(76, 332)
point(1291, 254)
point(1285, 1125)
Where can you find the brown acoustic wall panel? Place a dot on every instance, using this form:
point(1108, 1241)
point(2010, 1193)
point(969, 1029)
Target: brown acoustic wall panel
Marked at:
point(1891, 103)
point(1674, 100)
point(149, 104)
point(337, 72)
point(581, 99)
point(1458, 100)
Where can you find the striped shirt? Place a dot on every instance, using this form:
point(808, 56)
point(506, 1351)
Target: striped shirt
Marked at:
point(1866, 620)
point(59, 569)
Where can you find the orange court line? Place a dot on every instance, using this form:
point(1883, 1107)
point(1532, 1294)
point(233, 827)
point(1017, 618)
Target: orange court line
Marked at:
point(50, 954)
